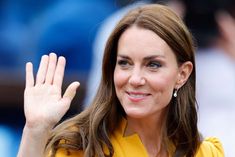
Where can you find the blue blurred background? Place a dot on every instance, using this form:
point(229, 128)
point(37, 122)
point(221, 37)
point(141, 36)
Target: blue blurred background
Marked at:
point(29, 29)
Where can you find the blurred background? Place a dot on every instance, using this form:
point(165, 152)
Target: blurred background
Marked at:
point(78, 30)
point(29, 29)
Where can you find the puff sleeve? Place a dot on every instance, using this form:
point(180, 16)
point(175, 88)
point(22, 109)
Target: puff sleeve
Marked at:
point(210, 147)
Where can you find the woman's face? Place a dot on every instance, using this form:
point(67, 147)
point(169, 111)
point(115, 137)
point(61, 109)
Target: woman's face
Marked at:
point(145, 74)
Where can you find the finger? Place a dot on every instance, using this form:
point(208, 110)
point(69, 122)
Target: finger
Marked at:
point(42, 70)
point(59, 72)
point(51, 68)
point(70, 92)
point(29, 81)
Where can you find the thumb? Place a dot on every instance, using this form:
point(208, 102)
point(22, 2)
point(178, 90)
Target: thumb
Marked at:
point(71, 92)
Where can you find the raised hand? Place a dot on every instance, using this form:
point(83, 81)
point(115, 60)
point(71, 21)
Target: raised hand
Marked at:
point(44, 104)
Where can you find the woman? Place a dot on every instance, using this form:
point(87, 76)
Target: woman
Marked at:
point(145, 105)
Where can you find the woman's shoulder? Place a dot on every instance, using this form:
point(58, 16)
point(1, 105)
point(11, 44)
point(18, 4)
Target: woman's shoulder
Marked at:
point(210, 147)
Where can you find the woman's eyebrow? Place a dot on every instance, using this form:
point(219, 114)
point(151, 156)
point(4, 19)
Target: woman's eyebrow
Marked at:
point(153, 57)
point(123, 56)
point(145, 58)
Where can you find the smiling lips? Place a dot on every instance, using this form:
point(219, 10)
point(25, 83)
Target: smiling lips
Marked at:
point(137, 96)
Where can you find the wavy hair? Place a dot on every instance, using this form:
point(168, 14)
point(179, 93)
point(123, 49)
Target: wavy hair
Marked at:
point(90, 130)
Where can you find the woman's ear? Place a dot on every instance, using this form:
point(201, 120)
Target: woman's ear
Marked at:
point(184, 72)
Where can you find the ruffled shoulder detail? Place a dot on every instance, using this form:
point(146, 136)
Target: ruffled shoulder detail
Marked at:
point(210, 147)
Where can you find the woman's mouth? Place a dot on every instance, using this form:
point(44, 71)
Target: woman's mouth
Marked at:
point(137, 96)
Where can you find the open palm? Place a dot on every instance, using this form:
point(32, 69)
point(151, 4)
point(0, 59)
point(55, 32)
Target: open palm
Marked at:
point(44, 104)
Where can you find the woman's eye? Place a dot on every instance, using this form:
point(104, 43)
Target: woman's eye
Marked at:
point(123, 63)
point(154, 65)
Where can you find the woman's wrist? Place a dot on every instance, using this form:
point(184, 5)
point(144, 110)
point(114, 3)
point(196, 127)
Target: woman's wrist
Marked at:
point(41, 125)
point(35, 131)
point(36, 138)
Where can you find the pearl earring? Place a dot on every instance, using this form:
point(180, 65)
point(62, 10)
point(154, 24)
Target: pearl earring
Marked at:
point(175, 93)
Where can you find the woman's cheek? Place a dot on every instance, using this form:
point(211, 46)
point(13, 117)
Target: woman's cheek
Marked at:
point(162, 82)
point(120, 77)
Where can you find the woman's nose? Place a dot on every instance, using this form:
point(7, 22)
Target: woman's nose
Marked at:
point(136, 78)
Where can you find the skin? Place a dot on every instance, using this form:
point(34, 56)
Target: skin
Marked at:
point(226, 25)
point(44, 104)
point(145, 76)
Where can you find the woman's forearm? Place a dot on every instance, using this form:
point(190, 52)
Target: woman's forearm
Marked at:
point(33, 142)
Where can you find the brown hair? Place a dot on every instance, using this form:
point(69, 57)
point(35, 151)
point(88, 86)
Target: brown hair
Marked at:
point(89, 131)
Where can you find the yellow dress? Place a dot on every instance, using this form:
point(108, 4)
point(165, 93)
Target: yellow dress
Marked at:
point(131, 146)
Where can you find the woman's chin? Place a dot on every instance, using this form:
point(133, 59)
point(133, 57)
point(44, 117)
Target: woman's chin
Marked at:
point(135, 113)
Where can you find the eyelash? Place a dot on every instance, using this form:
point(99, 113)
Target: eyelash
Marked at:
point(154, 64)
point(123, 63)
point(151, 64)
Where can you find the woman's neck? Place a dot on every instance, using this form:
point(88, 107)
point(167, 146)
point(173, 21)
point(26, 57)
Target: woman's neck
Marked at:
point(150, 131)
